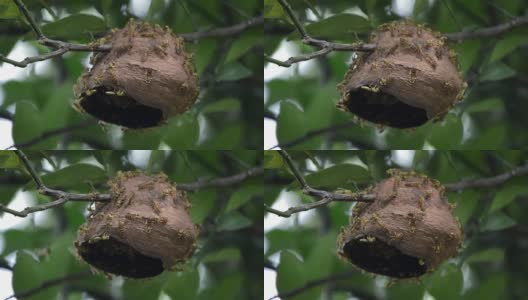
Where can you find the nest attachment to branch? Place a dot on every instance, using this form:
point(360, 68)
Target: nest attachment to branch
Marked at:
point(145, 229)
point(411, 77)
point(146, 78)
point(406, 232)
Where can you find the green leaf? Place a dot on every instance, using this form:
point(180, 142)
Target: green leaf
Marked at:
point(75, 175)
point(148, 289)
point(233, 221)
point(341, 175)
point(497, 221)
point(26, 267)
point(448, 133)
point(508, 193)
point(488, 255)
point(497, 71)
point(8, 10)
point(27, 123)
point(8, 160)
point(243, 44)
point(222, 255)
point(337, 27)
point(148, 139)
point(233, 71)
point(272, 9)
point(291, 275)
point(202, 203)
point(446, 282)
point(506, 45)
point(75, 27)
point(17, 239)
point(290, 123)
point(403, 290)
point(183, 132)
point(243, 195)
point(486, 105)
point(319, 261)
point(228, 287)
point(466, 202)
point(224, 105)
point(182, 285)
point(272, 160)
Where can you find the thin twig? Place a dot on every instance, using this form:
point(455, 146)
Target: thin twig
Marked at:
point(314, 283)
point(63, 197)
point(50, 283)
point(488, 31)
point(325, 47)
point(326, 197)
point(314, 133)
point(322, 44)
point(60, 196)
point(61, 47)
point(58, 131)
point(487, 182)
point(221, 182)
point(30, 19)
point(224, 31)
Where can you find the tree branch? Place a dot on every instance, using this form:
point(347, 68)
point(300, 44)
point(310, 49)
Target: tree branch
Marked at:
point(61, 47)
point(58, 131)
point(488, 31)
point(313, 133)
point(326, 197)
point(328, 47)
point(487, 182)
point(63, 197)
point(314, 283)
point(225, 31)
point(220, 182)
point(50, 283)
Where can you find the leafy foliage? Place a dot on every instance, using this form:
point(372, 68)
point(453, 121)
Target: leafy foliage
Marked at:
point(489, 117)
point(224, 263)
point(494, 221)
point(230, 72)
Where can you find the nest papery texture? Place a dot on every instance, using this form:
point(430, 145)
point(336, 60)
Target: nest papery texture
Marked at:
point(143, 230)
point(146, 78)
point(407, 231)
point(411, 77)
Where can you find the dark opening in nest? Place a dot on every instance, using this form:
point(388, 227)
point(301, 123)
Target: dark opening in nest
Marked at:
point(380, 258)
point(115, 257)
point(385, 109)
point(120, 110)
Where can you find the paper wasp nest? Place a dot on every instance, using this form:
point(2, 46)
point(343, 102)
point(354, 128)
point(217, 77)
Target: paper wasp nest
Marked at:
point(146, 78)
point(410, 78)
point(407, 231)
point(145, 229)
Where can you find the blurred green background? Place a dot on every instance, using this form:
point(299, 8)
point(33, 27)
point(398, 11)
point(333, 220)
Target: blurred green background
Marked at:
point(38, 99)
point(301, 99)
point(492, 263)
point(40, 248)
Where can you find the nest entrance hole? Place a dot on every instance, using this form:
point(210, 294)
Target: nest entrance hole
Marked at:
point(381, 258)
point(120, 110)
point(118, 258)
point(382, 108)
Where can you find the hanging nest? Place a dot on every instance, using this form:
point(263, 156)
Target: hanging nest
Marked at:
point(145, 229)
point(146, 78)
point(406, 232)
point(410, 78)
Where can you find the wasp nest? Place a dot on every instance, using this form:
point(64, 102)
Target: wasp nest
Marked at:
point(408, 230)
point(143, 230)
point(146, 78)
point(411, 77)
